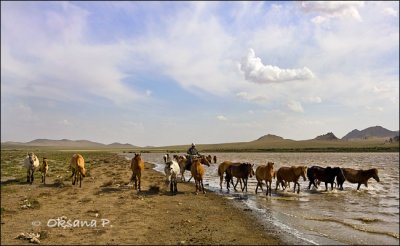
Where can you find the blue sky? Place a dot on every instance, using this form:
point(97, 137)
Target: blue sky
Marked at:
point(166, 73)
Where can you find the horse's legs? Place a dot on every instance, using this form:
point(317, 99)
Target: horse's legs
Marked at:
point(31, 173)
point(28, 176)
point(80, 179)
point(358, 187)
point(202, 186)
point(237, 180)
point(259, 183)
point(245, 184)
point(139, 182)
point(220, 181)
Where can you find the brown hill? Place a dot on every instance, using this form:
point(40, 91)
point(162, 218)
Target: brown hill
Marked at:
point(327, 137)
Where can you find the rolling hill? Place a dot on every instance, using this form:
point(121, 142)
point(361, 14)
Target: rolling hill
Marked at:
point(370, 132)
point(66, 143)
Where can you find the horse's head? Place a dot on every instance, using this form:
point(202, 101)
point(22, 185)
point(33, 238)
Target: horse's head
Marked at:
point(204, 160)
point(375, 174)
point(32, 158)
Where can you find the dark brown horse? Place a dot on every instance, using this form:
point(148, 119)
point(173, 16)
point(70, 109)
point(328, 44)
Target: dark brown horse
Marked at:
point(322, 174)
point(290, 174)
point(358, 176)
point(241, 172)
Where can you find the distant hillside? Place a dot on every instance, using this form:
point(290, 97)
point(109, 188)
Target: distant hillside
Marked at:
point(327, 137)
point(375, 132)
point(66, 143)
point(270, 137)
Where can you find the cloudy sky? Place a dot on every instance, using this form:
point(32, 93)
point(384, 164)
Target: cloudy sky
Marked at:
point(166, 73)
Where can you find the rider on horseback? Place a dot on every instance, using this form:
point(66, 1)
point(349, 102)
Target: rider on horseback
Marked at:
point(192, 152)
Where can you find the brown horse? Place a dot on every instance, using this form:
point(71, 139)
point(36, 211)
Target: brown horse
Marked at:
point(137, 166)
point(215, 159)
point(358, 176)
point(222, 168)
point(241, 172)
point(290, 174)
point(265, 172)
point(209, 158)
point(78, 169)
point(198, 171)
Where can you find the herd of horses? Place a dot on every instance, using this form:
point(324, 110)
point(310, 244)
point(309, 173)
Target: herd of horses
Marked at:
point(176, 165)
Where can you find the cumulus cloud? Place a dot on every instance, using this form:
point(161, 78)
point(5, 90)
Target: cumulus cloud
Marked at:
point(332, 9)
point(295, 106)
point(255, 71)
point(222, 118)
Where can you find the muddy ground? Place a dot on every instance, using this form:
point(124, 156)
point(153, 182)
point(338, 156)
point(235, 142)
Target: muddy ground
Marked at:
point(107, 210)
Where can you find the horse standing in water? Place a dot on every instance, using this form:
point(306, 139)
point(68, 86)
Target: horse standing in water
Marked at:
point(322, 174)
point(358, 176)
point(290, 174)
point(265, 172)
point(31, 163)
point(241, 172)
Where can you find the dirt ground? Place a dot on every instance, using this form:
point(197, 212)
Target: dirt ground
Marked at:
point(106, 210)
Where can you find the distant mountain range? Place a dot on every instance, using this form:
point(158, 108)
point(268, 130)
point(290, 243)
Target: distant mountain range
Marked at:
point(266, 140)
point(66, 143)
point(371, 132)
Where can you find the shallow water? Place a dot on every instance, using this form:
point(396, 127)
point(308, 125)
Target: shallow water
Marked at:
point(367, 216)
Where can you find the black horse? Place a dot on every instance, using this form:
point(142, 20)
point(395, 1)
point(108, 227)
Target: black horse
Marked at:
point(322, 174)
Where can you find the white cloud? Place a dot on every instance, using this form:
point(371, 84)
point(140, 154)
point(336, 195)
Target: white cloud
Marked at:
point(312, 99)
point(245, 96)
point(390, 11)
point(222, 118)
point(333, 9)
point(295, 106)
point(59, 63)
point(255, 71)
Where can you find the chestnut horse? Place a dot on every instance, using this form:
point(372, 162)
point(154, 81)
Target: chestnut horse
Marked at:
point(78, 169)
point(241, 172)
point(137, 166)
point(358, 176)
point(265, 172)
point(322, 174)
point(198, 171)
point(290, 174)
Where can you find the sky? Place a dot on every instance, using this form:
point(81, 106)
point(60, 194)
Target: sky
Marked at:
point(171, 73)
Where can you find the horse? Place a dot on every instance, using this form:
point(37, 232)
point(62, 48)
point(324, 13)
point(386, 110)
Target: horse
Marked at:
point(198, 171)
point(215, 159)
point(171, 171)
point(31, 163)
point(137, 166)
point(241, 172)
point(290, 174)
point(222, 168)
point(265, 172)
point(322, 174)
point(358, 176)
point(78, 169)
point(182, 161)
point(43, 169)
point(209, 158)
point(165, 157)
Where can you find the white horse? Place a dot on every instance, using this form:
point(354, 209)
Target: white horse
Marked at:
point(31, 163)
point(171, 171)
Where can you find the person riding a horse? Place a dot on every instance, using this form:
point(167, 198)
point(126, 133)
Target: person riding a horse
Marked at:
point(192, 152)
